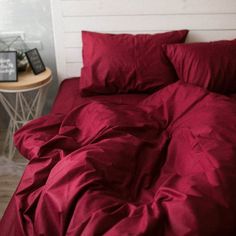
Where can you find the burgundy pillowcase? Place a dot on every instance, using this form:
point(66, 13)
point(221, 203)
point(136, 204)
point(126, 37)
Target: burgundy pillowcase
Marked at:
point(121, 63)
point(209, 65)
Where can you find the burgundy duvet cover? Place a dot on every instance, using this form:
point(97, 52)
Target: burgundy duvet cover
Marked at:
point(165, 166)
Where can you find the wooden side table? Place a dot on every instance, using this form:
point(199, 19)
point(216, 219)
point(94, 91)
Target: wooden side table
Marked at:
point(28, 96)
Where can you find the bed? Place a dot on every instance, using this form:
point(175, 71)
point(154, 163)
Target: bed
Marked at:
point(144, 143)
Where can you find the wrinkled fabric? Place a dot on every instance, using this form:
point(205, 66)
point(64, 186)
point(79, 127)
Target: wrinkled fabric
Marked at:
point(166, 166)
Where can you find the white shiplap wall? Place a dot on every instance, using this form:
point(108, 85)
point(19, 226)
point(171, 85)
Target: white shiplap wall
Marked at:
point(207, 20)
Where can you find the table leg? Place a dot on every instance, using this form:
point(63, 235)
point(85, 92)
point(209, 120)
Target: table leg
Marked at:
point(21, 110)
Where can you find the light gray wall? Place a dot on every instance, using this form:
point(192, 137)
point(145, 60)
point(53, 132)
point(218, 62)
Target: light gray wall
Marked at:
point(33, 17)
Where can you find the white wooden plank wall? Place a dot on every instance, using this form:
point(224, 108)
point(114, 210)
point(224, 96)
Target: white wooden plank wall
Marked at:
point(207, 20)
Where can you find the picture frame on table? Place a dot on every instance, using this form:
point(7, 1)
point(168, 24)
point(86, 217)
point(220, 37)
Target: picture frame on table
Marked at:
point(35, 61)
point(8, 66)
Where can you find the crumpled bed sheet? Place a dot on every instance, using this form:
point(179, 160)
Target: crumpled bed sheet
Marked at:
point(165, 166)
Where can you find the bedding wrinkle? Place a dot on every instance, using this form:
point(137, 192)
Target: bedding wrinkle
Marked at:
point(162, 164)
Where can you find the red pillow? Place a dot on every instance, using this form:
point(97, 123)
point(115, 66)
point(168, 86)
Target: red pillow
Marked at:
point(121, 63)
point(209, 65)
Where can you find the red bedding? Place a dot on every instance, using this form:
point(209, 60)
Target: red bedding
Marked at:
point(68, 97)
point(165, 166)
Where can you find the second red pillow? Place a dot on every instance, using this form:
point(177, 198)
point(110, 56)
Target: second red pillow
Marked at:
point(209, 65)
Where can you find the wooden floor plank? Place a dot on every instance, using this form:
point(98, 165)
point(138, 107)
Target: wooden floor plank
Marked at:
point(9, 182)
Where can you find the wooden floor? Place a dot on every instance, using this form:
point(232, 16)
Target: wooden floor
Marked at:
point(8, 185)
point(9, 177)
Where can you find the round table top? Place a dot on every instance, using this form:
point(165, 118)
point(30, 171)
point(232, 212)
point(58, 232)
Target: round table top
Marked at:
point(27, 81)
